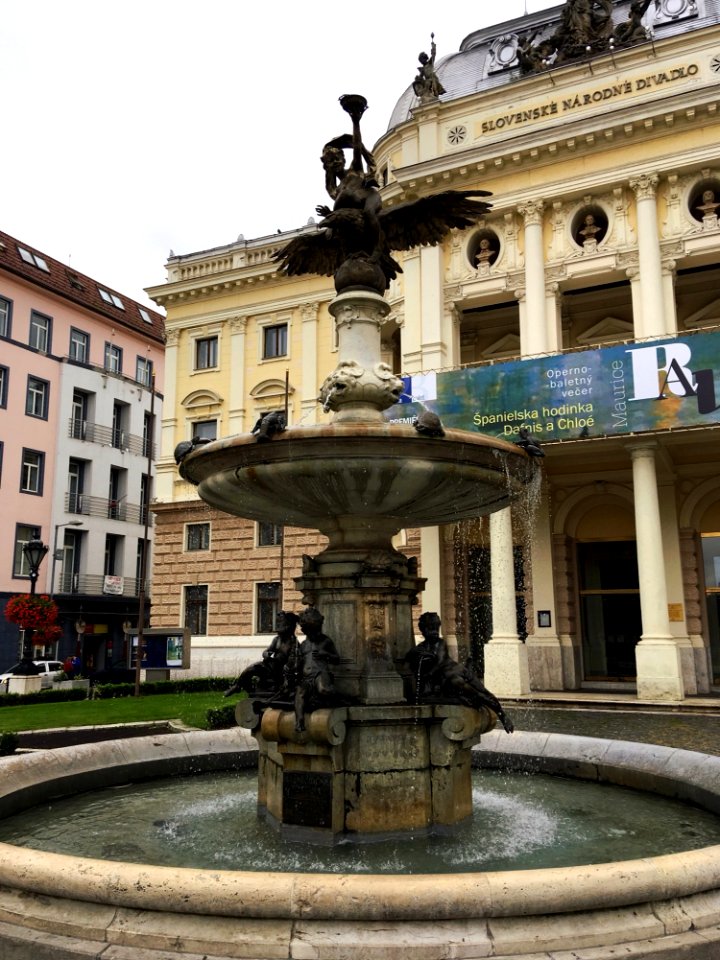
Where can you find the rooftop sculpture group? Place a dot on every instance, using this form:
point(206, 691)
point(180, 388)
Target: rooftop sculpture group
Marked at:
point(585, 29)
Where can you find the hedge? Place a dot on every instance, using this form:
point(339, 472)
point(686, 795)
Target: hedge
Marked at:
point(108, 691)
point(41, 696)
point(221, 718)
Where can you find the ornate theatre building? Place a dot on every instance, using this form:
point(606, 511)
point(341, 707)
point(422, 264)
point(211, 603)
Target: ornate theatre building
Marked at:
point(584, 309)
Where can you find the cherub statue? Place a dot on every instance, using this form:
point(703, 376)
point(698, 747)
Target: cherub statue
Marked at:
point(317, 652)
point(274, 674)
point(438, 677)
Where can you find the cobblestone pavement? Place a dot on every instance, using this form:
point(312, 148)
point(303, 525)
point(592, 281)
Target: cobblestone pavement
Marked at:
point(670, 729)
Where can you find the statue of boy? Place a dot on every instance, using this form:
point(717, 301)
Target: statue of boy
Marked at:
point(438, 676)
point(271, 675)
point(316, 653)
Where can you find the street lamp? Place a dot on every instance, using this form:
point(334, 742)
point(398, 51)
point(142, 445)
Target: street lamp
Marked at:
point(58, 554)
point(34, 552)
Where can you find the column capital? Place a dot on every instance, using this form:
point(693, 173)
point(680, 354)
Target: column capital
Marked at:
point(645, 186)
point(309, 311)
point(238, 322)
point(531, 211)
point(172, 337)
point(644, 450)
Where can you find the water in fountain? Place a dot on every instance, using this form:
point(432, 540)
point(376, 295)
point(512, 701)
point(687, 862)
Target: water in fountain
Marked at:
point(210, 822)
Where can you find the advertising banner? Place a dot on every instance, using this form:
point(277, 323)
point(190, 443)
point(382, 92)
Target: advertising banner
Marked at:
point(608, 391)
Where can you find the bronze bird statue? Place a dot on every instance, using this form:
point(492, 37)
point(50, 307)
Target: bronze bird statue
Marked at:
point(355, 240)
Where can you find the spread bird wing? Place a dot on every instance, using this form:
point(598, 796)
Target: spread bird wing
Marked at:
point(427, 221)
point(318, 253)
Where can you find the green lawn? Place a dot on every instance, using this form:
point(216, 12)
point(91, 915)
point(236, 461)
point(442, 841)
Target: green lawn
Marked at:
point(191, 708)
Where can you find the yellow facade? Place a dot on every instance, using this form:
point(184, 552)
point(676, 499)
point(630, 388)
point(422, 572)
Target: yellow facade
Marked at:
point(628, 137)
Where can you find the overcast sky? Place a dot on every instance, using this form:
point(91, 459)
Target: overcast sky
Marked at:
point(134, 128)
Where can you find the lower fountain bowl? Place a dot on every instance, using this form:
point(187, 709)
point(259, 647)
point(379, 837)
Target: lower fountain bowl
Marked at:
point(67, 907)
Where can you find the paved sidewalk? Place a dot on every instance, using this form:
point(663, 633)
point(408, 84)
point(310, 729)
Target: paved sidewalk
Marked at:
point(692, 725)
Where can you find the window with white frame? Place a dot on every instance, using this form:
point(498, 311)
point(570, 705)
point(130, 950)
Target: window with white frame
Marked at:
point(24, 533)
point(5, 317)
point(37, 397)
point(195, 603)
point(79, 350)
point(143, 371)
point(274, 341)
point(206, 353)
point(197, 536)
point(40, 331)
point(113, 358)
point(31, 472)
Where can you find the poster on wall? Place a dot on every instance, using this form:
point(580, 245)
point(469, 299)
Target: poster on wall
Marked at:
point(608, 391)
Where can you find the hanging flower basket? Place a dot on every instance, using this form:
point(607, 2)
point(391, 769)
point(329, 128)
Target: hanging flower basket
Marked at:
point(32, 612)
point(47, 635)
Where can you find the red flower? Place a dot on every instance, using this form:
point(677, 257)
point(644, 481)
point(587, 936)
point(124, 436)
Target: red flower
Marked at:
point(32, 611)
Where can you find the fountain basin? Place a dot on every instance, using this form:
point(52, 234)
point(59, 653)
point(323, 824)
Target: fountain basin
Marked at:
point(59, 906)
point(358, 483)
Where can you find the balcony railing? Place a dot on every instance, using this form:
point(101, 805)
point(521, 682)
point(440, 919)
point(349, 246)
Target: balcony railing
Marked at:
point(110, 437)
point(87, 506)
point(93, 584)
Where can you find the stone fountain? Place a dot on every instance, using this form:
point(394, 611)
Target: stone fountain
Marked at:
point(360, 480)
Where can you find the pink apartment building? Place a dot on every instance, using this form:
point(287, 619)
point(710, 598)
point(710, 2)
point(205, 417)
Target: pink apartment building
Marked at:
point(78, 362)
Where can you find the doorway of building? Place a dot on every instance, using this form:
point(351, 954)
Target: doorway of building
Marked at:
point(609, 609)
point(711, 564)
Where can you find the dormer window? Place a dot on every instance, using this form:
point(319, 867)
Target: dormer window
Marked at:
point(33, 259)
point(111, 298)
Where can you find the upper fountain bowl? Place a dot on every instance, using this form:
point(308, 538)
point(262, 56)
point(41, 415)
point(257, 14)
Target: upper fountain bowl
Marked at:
point(359, 483)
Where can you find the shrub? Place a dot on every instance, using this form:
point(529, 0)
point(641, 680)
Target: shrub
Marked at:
point(9, 743)
point(221, 718)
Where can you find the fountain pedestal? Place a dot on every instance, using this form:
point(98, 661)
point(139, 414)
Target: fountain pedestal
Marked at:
point(366, 771)
point(366, 597)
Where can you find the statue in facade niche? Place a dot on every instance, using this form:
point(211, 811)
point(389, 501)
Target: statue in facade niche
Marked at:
point(709, 205)
point(437, 678)
point(355, 240)
point(427, 84)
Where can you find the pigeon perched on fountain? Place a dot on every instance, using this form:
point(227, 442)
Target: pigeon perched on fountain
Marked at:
point(268, 425)
point(428, 424)
point(187, 446)
point(529, 444)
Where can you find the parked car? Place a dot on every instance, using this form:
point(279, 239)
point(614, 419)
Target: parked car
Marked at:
point(48, 671)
